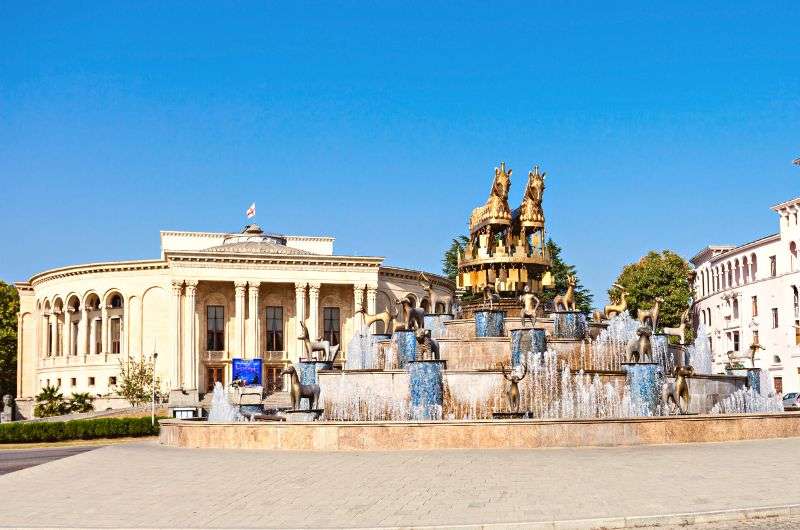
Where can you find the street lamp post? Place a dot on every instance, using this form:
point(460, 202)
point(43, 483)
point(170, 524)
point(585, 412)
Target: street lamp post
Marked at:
point(153, 397)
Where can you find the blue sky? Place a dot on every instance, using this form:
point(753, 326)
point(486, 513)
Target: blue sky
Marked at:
point(661, 125)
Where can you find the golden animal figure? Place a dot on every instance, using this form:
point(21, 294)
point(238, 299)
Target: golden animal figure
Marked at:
point(512, 393)
point(531, 212)
point(678, 397)
point(496, 208)
point(312, 346)
point(530, 305)
point(566, 302)
point(490, 297)
point(640, 348)
point(680, 331)
point(615, 309)
point(413, 317)
point(298, 391)
point(651, 315)
point(385, 316)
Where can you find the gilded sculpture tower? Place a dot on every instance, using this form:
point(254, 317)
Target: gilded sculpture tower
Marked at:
point(506, 249)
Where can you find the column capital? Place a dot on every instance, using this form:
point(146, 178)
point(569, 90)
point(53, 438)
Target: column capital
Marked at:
point(191, 283)
point(372, 287)
point(176, 286)
point(240, 287)
point(300, 286)
point(253, 287)
point(313, 288)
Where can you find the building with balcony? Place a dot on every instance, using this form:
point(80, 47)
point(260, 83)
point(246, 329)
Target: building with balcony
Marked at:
point(208, 299)
point(747, 297)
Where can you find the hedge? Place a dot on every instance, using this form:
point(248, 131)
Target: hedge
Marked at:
point(43, 431)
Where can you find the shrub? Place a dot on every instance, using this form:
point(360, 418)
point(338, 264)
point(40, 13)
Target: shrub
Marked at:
point(26, 432)
point(80, 402)
point(50, 402)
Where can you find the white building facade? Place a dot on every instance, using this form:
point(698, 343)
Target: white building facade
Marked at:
point(209, 298)
point(747, 296)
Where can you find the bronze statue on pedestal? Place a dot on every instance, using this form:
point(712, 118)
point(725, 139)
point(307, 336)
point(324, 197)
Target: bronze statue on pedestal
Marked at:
point(640, 348)
point(566, 302)
point(298, 391)
point(512, 393)
point(530, 305)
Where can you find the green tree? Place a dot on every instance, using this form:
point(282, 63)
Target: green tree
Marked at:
point(50, 402)
point(9, 307)
point(450, 259)
point(664, 275)
point(136, 381)
point(80, 402)
point(560, 270)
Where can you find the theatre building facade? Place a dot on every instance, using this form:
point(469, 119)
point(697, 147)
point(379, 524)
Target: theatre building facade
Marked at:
point(210, 298)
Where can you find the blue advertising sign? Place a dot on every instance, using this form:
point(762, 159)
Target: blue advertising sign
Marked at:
point(248, 370)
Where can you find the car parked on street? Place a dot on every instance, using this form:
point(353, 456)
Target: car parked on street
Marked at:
point(791, 400)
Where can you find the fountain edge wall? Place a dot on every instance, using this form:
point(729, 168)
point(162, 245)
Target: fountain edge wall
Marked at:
point(477, 434)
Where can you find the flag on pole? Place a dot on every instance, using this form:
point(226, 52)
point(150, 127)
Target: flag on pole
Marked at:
point(251, 212)
point(796, 161)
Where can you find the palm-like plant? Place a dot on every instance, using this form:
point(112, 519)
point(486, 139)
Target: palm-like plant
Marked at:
point(50, 402)
point(81, 402)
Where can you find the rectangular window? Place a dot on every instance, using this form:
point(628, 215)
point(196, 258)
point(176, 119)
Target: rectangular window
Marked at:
point(778, 384)
point(115, 335)
point(773, 266)
point(49, 341)
point(112, 381)
point(73, 381)
point(91, 381)
point(797, 332)
point(755, 337)
point(774, 318)
point(755, 306)
point(735, 341)
point(215, 335)
point(330, 316)
point(275, 328)
point(58, 382)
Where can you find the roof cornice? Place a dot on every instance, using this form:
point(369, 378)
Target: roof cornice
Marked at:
point(89, 268)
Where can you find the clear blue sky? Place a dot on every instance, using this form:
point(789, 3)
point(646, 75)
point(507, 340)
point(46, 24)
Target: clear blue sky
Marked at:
point(661, 125)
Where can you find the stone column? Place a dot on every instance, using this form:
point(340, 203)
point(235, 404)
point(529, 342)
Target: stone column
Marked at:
point(67, 348)
point(313, 311)
point(174, 350)
point(83, 333)
point(190, 348)
point(358, 305)
point(300, 314)
point(105, 328)
point(240, 320)
point(53, 323)
point(93, 336)
point(372, 299)
point(253, 350)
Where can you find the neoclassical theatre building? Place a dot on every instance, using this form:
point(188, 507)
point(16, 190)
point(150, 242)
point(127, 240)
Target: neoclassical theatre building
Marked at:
point(210, 298)
point(748, 296)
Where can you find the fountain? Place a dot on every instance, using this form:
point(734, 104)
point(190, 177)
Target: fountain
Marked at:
point(221, 408)
point(550, 380)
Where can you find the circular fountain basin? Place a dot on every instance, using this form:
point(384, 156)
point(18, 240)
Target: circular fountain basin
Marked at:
point(569, 325)
point(524, 340)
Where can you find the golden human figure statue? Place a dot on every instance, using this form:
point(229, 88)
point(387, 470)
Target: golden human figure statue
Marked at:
point(496, 209)
point(531, 212)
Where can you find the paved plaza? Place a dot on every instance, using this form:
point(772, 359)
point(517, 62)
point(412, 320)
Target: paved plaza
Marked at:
point(146, 485)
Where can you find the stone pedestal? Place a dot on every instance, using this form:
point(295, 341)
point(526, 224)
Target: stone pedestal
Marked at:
point(406, 347)
point(302, 416)
point(426, 389)
point(644, 381)
point(755, 380)
point(569, 325)
point(435, 323)
point(526, 340)
point(490, 323)
point(307, 373)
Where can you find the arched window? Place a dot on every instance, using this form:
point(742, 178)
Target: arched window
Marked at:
point(735, 308)
point(730, 275)
point(792, 256)
point(113, 325)
point(425, 305)
point(116, 301)
point(753, 267)
point(746, 270)
point(72, 322)
point(440, 309)
point(738, 272)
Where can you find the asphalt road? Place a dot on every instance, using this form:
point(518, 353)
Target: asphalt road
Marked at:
point(15, 459)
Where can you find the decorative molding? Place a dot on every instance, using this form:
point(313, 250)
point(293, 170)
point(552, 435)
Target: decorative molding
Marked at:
point(92, 268)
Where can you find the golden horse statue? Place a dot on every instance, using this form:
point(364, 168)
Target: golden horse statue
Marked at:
point(496, 208)
point(531, 213)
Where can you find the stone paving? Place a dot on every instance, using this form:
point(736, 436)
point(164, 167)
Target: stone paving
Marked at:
point(146, 485)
